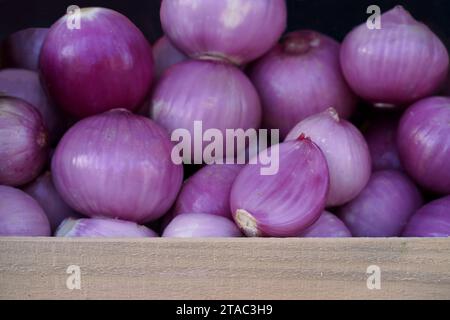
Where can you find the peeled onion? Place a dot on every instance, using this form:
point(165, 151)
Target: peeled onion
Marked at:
point(399, 64)
point(328, 226)
point(165, 55)
point(107, 63)
point(21, 215)
point(299, 77)
point(117, 165)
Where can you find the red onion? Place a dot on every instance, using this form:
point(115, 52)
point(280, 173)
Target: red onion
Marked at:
point(102, 228)
point(401, 63)
point(217, 94)
point(107, 63)
point(22, 48)
point(346, 151)
point(199, 225)
point(300, 77)
point(328, 226)
point(166, 55)
point(424, 143)
point(21, 215)
point(25, 84)
point(23, 142)
point(236, 30)
point(432, 220)
point(287, 203)
point(117, 165)
point(44, 192)
point(384, 207)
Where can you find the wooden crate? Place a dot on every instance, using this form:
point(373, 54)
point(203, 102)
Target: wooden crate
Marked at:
point(36, 268)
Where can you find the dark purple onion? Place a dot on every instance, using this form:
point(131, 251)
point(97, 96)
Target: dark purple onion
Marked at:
point(424, 143)
point(328, 226)
point(21, 215)
point(23, 142)
point(300, 77)
point(117, 165)
point(165, 55)
point(107, 63)
point(384, 207)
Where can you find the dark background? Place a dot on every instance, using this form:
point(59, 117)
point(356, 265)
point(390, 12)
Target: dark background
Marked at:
point(335, 18)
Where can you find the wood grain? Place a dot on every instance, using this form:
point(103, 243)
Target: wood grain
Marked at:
point(225, 268)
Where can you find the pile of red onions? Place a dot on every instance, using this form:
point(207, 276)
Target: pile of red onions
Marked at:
point(238, 31)
point(300, 77)
point(398, 64)
point(165, 55)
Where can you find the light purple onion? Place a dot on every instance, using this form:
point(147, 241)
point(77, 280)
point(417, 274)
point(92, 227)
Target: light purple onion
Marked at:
point(165, 55)
point(236, 30)
point(288, 202)
point(107, 63)
point(432, 220)
point(117, 165)
point(200, 225)
point(23, 142)
point(423, 140)
point(399, 64)
point(346, 152)
point(102, 228)
point(299, 77)
point(217, 94)
point(26, 85)
point(22, 48)
point(384, 207)
point(328, 226)
point(21, 215)
point(43, 191)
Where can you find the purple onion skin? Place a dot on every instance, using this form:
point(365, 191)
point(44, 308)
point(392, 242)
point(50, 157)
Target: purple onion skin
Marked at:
point(346, 152)
point(23, 142)
point(300, 77)
point(236, 30)
point(117, 165)
point(216, 93)
point(200, 225)
point(287, 203)
point(22, 48)
point(26, 85)
point(399, 64)
point(105, 64)
point(44, 192)
point(21, 215)
point(328, 226)
point(432, 220)
point(423, 140)
point(165, 55)
point(102, 228)
point(208, 191)
point(384, 207)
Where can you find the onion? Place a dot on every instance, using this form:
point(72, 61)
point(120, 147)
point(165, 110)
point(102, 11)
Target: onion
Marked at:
point(401, 63)
point(21, 215)
point(328, 226)
point(25, 84)
point(432, 220)
point(288, 202)
point(166, 55)
point(117, 165)
point(199, 225)
point(217, 94)
point(384, 207)
point(22, 48)
point(102, 228)
point(346, 151)
point(107, 63)
point(236, 30)
point(23, 142)
point(44, 192)
point(424, 143)
point(300, 77)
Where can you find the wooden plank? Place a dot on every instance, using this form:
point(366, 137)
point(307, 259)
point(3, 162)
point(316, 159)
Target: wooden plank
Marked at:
point(225, 268)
